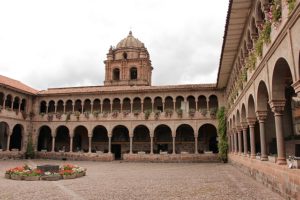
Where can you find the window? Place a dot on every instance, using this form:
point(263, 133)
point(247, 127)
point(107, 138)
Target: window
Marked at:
point(125, 55)
point(133, 73)
point(116, 74)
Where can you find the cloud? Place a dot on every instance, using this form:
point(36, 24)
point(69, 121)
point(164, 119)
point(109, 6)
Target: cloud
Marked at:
point(64, 43)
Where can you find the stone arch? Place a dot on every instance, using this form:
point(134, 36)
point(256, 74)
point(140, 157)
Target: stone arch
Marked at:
point(44, 139)
point(116, 74)
point(158, 104)
point(69, 106)
point(87, 105)
point(23, 105)
point(16, 103)
point(133, 73)
point(281, 78)
point(116, 105)
point(169, 103)
point(126, 105)
point(60, 106)
point(17, 137)
point(202, 103)
point(163, 138)
point(51, 106)
point(251, 107)
point(259, 13)
point(191, 102)
point(96, 105)
point(207, 138)
point(136, 104)
point(179, 104)
point(100, 139)
point(141, 139)
point(243, 114)
point(262, 97)
point(120, 141)
point(238, 118)
point(213, 103)
point(80, 139)
point(78, 106)
point(185, 138)
point(43, 107)
point(4, 132)
point(62, 139)
point(147, 104)
point(8, 101)
point(254, 30)
point(106, 106)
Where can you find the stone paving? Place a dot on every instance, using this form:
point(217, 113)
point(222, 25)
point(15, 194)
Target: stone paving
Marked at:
point(143, 181)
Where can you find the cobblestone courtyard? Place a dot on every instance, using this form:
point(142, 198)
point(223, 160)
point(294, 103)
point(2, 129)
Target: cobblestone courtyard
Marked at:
point(115, 180)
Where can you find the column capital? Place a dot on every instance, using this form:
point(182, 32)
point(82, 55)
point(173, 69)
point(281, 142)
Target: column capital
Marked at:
point(277, 106)
point(251, 121)
point(296, 86)
point(239, 129)
point(261, 115)
point(244, 125)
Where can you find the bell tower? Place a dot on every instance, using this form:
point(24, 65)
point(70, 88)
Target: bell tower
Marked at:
point(128, 64)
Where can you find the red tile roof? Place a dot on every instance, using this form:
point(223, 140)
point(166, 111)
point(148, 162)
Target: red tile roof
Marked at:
point(16, 85)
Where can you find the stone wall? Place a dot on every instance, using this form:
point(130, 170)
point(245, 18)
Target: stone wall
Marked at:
point(11, 155)
point(280, 179)
point(76, 156)
point(171, 157)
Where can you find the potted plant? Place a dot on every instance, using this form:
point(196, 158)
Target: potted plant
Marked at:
point(58, 115)
point(50, 117)
point(68, 117)
point(67, 171)
point(96, 114)
point(42, 114)
point(87, 114)
point(32, 175)
point(168, 112)
point(203, 112)
point(213, 112)
point(179, 112)
point(192, 112)
point(115, 113)
point(136, 112)
point(77, 114)
point(157, 114)
point(147, 114)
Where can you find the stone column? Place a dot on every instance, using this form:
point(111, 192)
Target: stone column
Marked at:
point(196, 102)
point(8, 142)
point(101, 107)
point(92, 107)
point(278, 108)
point(111, 107)
point(196, 145)
point(53, 144)
point(207, 105)
point(131, 138)
point(232, 142)
point(235, 142)
point(71, 144)
point(55, 108)
point(174, 106)
point(163, 106)
point(142, 107)
point(73, 107)
point(173, 145)
point(46, 109)
point(109, 144)
point(3, 105)
point(19, 108)
point(262, 116)
point(240, 141)
point(151, 144)
point(244, 126)
point(251, 123)
point(90, 144)
point(131, 107)
point(82, 107)
point(64, 105)
point(121, 109)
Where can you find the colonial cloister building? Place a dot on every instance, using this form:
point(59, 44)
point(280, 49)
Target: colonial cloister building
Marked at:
point(258, 83)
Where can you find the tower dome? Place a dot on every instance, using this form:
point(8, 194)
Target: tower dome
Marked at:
point(130, 42)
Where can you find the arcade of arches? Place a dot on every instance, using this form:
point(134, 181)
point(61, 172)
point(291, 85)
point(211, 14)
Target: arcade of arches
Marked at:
point(120, 141)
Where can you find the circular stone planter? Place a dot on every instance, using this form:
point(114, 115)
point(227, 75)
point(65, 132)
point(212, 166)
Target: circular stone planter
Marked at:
point(80, 174)
point(72, 176)
point(31, 178)
point(51, 178)
point(16, 177)
point(8, 176)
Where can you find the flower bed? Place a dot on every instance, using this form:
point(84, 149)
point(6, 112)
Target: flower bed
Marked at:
point(67, 171)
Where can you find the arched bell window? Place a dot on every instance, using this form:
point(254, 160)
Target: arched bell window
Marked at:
point(133, 73)
point(116, 74)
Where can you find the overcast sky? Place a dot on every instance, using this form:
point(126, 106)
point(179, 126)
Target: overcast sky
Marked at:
point(59, 43)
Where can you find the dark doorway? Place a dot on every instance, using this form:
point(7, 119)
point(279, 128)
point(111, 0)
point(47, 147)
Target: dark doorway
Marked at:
point(162, 147)
point(297, 150)
point(116, 149)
